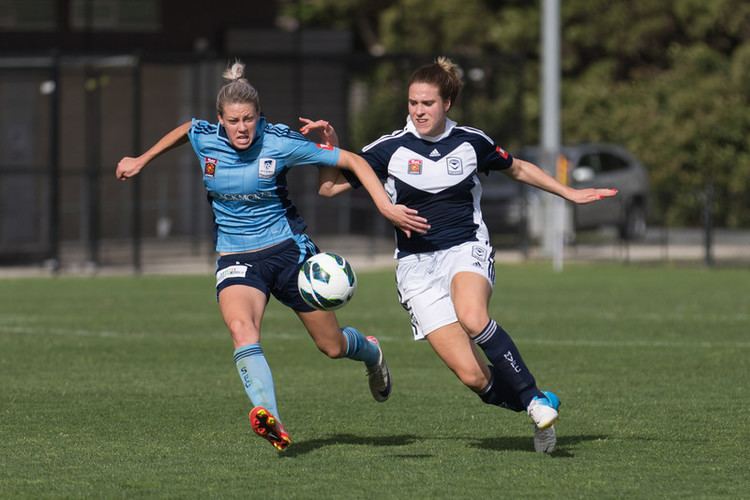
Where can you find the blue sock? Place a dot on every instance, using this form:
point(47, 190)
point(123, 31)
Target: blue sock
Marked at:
point(509, 367)
point(256, 377)
point(359, 348)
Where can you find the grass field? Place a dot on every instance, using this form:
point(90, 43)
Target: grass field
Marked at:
point(125, 387)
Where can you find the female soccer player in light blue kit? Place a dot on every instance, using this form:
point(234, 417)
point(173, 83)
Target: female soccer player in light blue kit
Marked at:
point(260, 236)
point(445, 276)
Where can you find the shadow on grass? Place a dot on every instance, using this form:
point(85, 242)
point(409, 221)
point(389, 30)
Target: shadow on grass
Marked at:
point(525, 444)
point(504, 443)
point(303, 447)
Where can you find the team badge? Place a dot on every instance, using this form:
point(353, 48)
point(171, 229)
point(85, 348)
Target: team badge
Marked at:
point(266, 168)
point(209, 166)
point(329, 147)
point(502, 152)
point(455, 165)
point(415, 167)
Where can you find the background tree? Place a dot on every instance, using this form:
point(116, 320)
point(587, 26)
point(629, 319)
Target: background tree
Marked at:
point(670, 80)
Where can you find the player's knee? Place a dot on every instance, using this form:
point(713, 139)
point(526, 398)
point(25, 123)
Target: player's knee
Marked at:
point(243, 332)
point(473, 322)
point(331, 349)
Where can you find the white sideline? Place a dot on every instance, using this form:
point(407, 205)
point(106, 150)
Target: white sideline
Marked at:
point(604, 343)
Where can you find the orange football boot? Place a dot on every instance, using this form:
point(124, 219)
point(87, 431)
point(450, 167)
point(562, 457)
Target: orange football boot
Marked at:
point(269, 428)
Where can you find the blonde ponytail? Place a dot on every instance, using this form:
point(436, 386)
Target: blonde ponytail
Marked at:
point(237, 89)
point(235, 72)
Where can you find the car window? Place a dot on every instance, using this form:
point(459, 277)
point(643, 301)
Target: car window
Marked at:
point(610, 162)
point(590, 160)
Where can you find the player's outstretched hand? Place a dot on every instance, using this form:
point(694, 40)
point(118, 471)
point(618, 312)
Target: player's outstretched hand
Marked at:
point(128, 167)
point(324, 131)
point(406, 219)
point(590, 195)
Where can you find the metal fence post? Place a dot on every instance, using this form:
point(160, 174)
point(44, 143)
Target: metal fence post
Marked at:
point(136, 190)
point(708, 229)
point(92, 106)
point(54, 167)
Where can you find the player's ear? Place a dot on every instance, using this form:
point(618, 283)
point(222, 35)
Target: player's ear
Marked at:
point(447, 105)
point(219, 117)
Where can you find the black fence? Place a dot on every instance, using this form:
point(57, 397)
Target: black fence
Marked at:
point(67, 119)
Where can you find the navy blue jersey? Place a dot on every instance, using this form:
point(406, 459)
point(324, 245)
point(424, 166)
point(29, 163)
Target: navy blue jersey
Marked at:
point(438, 177)
point(248, 188)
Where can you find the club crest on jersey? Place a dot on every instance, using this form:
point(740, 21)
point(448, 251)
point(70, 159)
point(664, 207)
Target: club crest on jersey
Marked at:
point(266, 168)
point(329, 147)
point(455, 165)
point(415, 167)
point(502, 152)
point(209, 166)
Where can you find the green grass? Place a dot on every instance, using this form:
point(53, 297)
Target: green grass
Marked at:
point(125, 387)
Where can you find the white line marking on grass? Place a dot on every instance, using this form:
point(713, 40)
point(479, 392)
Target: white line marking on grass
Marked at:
point(641, 317)
point(636, 343)
point(26, 330)
point(561, 342)
point(406, 338)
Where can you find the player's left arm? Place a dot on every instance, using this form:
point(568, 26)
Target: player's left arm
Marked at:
point(331, 180)
point(404, 218)
point(528, 173)
point(321, 129)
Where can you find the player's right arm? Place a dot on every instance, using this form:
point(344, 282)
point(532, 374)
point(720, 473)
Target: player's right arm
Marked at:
point(129, 167)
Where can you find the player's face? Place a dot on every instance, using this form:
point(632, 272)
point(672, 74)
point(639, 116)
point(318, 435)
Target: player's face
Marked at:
point(427, 109)
point(239, 120)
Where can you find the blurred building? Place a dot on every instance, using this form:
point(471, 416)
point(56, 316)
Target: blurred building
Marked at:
point(127, 25)
point(85, 82)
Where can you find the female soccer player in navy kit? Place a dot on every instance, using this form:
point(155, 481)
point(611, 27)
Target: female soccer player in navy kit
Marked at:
point(261, 239)
point(445, 276)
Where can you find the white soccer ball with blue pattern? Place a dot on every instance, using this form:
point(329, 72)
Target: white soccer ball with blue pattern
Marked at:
point(326, 281)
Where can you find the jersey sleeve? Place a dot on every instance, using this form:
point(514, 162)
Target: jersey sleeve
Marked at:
point(310, 153)
point(199, 132)
point(299, 150)
point(377, 158)
point(492, 157)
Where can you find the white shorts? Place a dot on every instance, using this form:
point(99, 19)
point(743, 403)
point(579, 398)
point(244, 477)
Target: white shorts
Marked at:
point(424, 282)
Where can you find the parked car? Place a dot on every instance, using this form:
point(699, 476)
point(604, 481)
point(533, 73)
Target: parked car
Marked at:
point(589, 165)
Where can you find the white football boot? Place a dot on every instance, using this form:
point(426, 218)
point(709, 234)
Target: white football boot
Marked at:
point(378, 375)
point(544, 414)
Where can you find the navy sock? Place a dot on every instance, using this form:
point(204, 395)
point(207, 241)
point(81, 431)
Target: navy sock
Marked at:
point(499, 394)
point(509, 367)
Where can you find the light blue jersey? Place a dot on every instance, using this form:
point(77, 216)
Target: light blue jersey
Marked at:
point(248, 188)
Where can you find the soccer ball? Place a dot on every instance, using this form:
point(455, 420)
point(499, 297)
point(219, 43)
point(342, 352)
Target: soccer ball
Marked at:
point(326, 281)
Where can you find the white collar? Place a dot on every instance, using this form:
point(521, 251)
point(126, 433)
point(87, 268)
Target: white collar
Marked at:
point(449, 124)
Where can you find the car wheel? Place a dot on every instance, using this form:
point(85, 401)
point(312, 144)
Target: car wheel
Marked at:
point(634, 225)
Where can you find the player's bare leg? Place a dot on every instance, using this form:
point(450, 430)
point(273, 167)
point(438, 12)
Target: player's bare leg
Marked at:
point(335, 342)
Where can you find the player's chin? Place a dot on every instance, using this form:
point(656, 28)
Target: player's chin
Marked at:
point(241, 143)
